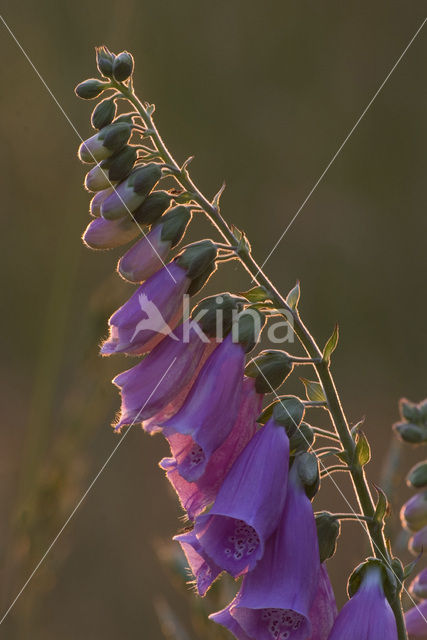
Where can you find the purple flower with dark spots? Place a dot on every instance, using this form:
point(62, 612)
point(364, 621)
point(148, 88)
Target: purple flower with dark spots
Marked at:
point(209, 412)
point(142, 396)
point(249, 503)
point(108, 234)
point(196, 496)
point(275, 598)
point(152, 312)
point(367, 615)
point(416, 620)
point(323, 610)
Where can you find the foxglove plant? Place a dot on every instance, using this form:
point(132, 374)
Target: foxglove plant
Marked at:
point(246, 481)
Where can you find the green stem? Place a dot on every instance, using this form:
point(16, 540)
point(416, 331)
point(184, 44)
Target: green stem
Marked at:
point(338, 418)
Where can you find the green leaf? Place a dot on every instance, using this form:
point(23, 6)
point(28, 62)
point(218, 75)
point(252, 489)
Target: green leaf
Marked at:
point(216, 199)
point(331, 345)
point(256, 294)
point(313, 390)
point(293, 296)
point(410, 567)
point(362, 453)
point(355, 429)
point(382, 509)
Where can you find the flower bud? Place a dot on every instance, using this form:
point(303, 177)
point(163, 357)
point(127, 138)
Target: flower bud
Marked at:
point(145, 258)
point(308, 472)
point(104, 61)
point(108, 234)
point(90, 89)
point(103, 114)
point(97, 200)
point(126, 197)
point(328, 532)
point(289, 412)
point(97, 179)
point(411, 433)
point(247, 328)
point(154, 205)
point(302, 439)
point(104, 143)
point(414, 512)
point(418, 542)
point(123, 66)
point(195, 258)
point(270, 369)
point(410, 411)
point(145, 178)
point(215, 314)
point(417, 477)
point(174, 223)
point(418, 586)
point(121, 163)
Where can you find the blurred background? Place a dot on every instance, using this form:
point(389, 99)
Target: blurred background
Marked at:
point(262, 95)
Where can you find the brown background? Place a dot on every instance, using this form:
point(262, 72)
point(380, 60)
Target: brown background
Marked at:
point(262, 94)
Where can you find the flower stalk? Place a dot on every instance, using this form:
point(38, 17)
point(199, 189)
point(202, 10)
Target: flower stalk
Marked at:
point(322, 367)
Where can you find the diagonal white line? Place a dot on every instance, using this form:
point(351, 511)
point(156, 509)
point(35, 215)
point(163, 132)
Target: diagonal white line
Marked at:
point(42, 559)
point(329, 475)
point(43, 81)
point(342, 145)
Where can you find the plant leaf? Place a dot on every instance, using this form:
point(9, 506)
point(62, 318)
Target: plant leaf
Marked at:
point(256, 294)
point(331, 344)
point(382, 509)
point(362, 453)
point(313, 390)
point(217, 196)
point(293, 296)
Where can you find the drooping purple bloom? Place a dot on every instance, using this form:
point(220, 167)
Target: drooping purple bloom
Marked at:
point(416, 620)
point(160, 377)
point(323, 610)
point(418, 542)
point(418, 586)
point(151, 312)
point(145, 257)
point(275, 598)
point(248, 505)
point(108, 234)
point(196, 496)
point(367, 615)
point(205, 571)
point(209, 412)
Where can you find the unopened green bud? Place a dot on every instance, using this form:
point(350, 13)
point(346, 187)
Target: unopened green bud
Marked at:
point(174, 223)
point(308, 472)
point(270, 369)
point(199, 282)
point(328, 532)
point(121, 163)
point(247, 328)
point(423, 410)
point(417, 477)
point(289, 412)
point(90, 89)
point(154, 205)
point(145, 178)
point(414, 512)
point(302, 439)
point(195, 258)
point(215, 314)
point(103, 114)
point(410, 411)
point(411, 433)
point(104, 61)
point(123, 66)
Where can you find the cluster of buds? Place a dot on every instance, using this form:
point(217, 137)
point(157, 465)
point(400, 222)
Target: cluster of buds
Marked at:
point(245, 477)
point(413, 429)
